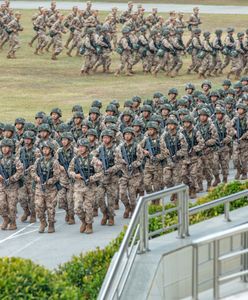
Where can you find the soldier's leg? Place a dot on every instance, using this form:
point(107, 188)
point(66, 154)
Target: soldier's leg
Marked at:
point(70, 205)
point(224, 163)
point(226, 62)
point(40, 208)
point(31, 204)
point(148, 180)
point(236, 160)
point(79, 208)
point(207, 168)
point(193, 176)
point(69, 40)
point(61, 196)
point(12, 203)
point(123, 185)
point(215, 165)
point(33, 39)
point(51, 194)
point(23, 198)
point(88, 209)
point(167, 177)
point(110, 189)
point(244, 161)
point(4, 210)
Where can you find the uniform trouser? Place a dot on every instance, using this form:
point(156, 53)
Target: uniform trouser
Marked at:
point(76, 39)
point(126, 60)
point(65, 199)
point(210, 166)
point(237, 64)
point(42, 40)
point(223, 155)
point(172, 174)
point(105, 60)
point(196, 62)
point(4, 38)
point(240, 156)
point(69, 39)
point(58, 46)
point(163, 62)
point(206, 64)
point(153, 177)
point(226, 62)
point(246, 64)
point(45, 202)
point(83, 203)
point(217, 62)
point(8, 201)
point(26, 197)
point(147, 62)
point(129, 186)
point(190, 172)
point(106, 195)
point(177, 62)
point(14, 43)
point(90, 60)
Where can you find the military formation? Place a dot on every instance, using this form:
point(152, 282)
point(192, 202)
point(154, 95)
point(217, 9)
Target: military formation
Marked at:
point(149, 40)
point(95, 161)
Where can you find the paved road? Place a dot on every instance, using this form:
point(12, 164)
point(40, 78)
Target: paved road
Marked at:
point(187, 8)
point(51, 250)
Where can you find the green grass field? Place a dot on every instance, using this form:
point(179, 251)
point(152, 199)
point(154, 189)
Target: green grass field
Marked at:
point(32, 83)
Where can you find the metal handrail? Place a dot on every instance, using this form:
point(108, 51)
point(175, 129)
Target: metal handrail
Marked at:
point(224, 200)
point(111, 286)
point(218, 258)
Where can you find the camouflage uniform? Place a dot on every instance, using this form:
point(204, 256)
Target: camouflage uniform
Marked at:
point(57, 29)
point(196, 47)
point(41, 24)
point(229, 43)
point(238, 59)
point(206, 63)
point(217, 46)
point(90, 52)
point(14, 27)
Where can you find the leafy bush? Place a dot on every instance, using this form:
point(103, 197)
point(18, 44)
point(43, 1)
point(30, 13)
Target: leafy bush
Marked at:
point(82, 277)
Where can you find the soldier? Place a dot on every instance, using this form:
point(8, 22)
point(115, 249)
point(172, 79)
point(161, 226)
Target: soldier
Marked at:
point(152, 18)
point(19, 128)
point(34, 17)
point(206, 63)
point(216, 57)
point(177, 63)
point(5, 21)
point(240, 145)
point(46, 173)
point(114, 20)
point(180, 23)
point(64, 156)
point(56, 33)
point(126, 15)
point(225, 137)
point(106, 153)
point(195, 145)
point(237, 57)
point(50, 22)
point(76, 26)
point(195, 46)
point(209, 160)
point(41, 23)
point(44, 131)
point(129, 156)
point(193, 23)
point(11, 170)
point(67, 24)
point(155, 153)
point(13, 29)
point(90, 52)
point(27, 155)
point(76, 129)
point(229, 45)
point(124, 48)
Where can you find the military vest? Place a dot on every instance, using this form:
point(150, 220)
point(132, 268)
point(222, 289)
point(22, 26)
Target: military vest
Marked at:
point(8, 164)
point(85, 165)
point(45, 168)
point(27, 157)
point(129, 153)
point(190, 137)
point(241, 126)
point(173, 143)
point(109, 155)
point(65, 157)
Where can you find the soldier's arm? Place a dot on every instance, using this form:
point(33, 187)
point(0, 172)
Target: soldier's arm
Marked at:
point(229, 133)
point(184, 148)
point(214, 136)
point(200, 142)
point(19, 171)
point(71, 169)
point(98, 170)
point(164, 152)
point(56, 173)
point(140, 155)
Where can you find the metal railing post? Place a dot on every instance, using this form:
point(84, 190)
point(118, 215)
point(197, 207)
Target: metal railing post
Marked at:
point(227, 211)
point(186, 212)
point(244, 257)
point(180, 216)
point(141, 231)
point(216, 270)
point(195, 273)
point(146, 227)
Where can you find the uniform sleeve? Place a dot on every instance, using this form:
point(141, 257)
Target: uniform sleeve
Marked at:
point(19, 171)
point(71, 169)
point(200, 143)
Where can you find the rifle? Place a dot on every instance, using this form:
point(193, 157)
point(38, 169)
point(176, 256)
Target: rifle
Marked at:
point(220, 135)
point(151, 151)
point(5, 175)
point(63, 163)
point(43, 179)
point(81, 172)
point(238, 130)
point(24, 161)
point(171, 147)
point(103, 159)
point(125, 156)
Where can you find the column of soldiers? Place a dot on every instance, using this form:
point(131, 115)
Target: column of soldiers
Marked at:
point(95, 160)
point(155, 43)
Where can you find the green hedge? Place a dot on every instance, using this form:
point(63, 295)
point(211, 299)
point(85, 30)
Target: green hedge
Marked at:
point(82, 277)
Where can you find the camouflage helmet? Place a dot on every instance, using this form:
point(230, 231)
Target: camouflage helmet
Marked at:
point(112, 127)
point(126, 30)
point(128, 130)
point(173, 91)
point(89, 30)
point(87, 123)
point(44, 127)
point(229, 100)
point(204, 111)
point(115, 103)
point(9, 127)
point(143, 28)
point(182, 102)
point(128, 103)
point(7, 143)
point(67, 135)
point(148, 102)
point(94, 110)
point(48, 144)
point(238, 85)
point(29, 135)
point(165, 32)
point(56, 111)
point(220, 110)
point(19, 121)
point(77, 107)
point(138, 122)
point(110, 119)
point(230, 29)
point(78, 114)
point(157, 95)
point(244, 78)
point(156, 118)
point(127, 112)
point(97, 103)
point(189, 85)
point(152, 124)
point(242, 106)
point(226, 82)
point(136, 99)
point(84, 143)
point(220, 103)
point(215, 94)
point(107, 132)
point(207, 82)
point(29, 127)
point(111, 107)
point(197, 31)
point(92, 132)
point(172, 121)
point(183, 111)
point(187, 118)
point(40, 115)
point(231, 91)
point(218, 31)
point(146, 108)
point(63, 127)
point(206, 34)
point(166, 106)
point(197, 93)
point(245, 90)
point(240, 34)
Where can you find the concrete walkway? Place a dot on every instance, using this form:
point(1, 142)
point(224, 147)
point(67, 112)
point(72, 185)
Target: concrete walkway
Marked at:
point(187, 8)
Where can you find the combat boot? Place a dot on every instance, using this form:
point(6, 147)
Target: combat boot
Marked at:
point(117, 73)
point(83, 226)
point(126, 212)
point(12, 225)
point(36, 52)
point(111, 221)
point(192, 193)
point(69, 53)
point(51, 228)
point(71, 220)
point(95, 212)
point(216, 180)
point(104, 219)
point(237, 174)
point(200, 187)
point(128, 73)
point(43, 225)
point(132, 210)
point(173, 198)
point(66, 217)
point(244, 176)
point(5, 223)
point(224, 179)
point(209, 185)
point(89, 229)
point(32, 217)
point(116, 206)
point(25, 215)
point(54, 57)
point(156, 202)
